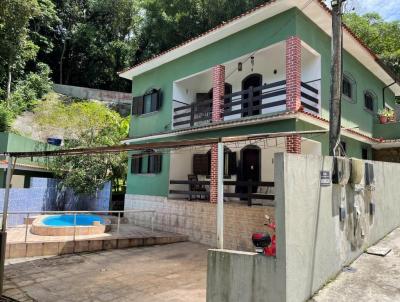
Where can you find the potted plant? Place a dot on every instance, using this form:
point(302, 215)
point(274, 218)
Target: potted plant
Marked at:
point(385, 115)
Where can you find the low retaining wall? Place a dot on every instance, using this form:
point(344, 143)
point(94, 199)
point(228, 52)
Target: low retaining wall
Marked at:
point(197, 220)
point(33, 249)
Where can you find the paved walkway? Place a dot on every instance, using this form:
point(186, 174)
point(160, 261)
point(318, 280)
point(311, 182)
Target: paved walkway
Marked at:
point(174, 272)
point(370, 278)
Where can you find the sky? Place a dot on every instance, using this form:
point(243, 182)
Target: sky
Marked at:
point(388, 9)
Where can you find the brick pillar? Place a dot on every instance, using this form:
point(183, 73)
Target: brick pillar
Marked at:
point(293, 144)
point(293, 73)
point(218, 91)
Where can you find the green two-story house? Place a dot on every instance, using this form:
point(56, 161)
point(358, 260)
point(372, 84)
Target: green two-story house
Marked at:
point(266, 71)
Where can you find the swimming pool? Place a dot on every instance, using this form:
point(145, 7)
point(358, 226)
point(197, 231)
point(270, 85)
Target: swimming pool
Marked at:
point(63, 225)
point(68, 220)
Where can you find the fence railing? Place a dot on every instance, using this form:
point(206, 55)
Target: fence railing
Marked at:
point(244, 190)
point(193, 113)
point(253, 100)
point(310, 97)
point(112, 219)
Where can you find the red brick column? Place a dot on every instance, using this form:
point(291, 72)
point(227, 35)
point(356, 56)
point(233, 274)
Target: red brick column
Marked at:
point(218, 91)
point(293, 144)
point(293, 73)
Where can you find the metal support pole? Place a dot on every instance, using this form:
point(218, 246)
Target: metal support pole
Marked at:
point(220, 201)
point(3, 233)
point(26, 227)
point(152, 221)
point(74, 226)
point(119, 215)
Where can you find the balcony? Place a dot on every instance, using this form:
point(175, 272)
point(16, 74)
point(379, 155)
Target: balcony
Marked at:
point(255, 84)
point(267, 98)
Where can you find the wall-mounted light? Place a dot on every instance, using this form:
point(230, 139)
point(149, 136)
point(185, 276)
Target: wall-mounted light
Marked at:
point(240, 66)
point(252, 63)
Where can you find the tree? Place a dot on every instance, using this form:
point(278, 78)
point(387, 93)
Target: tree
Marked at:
point(95, 40)
point(16, 48)
point(381, 36)
point(84, 124)
point(168, 23)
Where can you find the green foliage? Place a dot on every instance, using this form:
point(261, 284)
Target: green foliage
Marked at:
point(85, 124)
point(6, 117)
point(16, 48)
point(30, 90)
point(381, 36)
point(168, 23)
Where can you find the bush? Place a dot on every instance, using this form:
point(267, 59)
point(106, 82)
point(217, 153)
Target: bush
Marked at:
point(30, 90)
point(6, 118)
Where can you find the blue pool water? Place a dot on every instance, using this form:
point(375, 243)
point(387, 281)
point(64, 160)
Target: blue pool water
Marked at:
point(68, 220)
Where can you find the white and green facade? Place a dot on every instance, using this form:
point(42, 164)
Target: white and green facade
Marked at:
point(267, 71)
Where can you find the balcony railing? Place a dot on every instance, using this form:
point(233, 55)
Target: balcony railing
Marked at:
point(200, 188)
point(193, 113)
point(248, 102)
point(254, 100)
point(310, 98)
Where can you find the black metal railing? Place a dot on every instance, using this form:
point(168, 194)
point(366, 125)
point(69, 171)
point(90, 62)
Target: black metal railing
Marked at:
point(246, 190)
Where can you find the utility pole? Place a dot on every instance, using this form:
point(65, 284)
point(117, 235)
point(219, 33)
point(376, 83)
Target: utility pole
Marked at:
point(335, 113)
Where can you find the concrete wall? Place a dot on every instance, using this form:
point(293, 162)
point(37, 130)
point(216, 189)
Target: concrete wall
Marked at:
point(119, 101)
point(43, 195)
point(198, 219)
point(312, 243)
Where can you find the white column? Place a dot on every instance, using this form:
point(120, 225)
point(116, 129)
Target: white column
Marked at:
point(220, 202)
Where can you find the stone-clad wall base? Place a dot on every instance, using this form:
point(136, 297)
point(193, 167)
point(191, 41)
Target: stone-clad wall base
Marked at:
point(197, 219)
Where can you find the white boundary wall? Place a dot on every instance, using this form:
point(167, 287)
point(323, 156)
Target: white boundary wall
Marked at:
point(312, 243)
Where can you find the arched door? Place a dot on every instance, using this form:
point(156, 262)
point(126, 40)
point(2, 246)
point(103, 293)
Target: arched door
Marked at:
point(252, 80)
point(250, 166)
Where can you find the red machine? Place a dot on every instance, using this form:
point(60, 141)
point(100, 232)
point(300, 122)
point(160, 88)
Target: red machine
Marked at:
point(264, 243)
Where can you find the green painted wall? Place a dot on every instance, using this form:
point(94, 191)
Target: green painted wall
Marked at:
point(353, 115)
point(387, 131)
point(16, 143)
point(292, 22)
point(241, 43)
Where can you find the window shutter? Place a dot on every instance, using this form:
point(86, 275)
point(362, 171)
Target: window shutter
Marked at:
point(154, 100)
point(154, 164)
point(136, 165)
point(159, 99)
point(232, 165)
point(135, 105)
point(200, 164)
point(158, 163)
point(140, 106)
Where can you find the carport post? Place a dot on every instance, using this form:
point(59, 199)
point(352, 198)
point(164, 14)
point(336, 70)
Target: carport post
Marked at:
point(3, 233)
point(220, 202)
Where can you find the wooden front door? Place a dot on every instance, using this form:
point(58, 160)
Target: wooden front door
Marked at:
point(251, 166)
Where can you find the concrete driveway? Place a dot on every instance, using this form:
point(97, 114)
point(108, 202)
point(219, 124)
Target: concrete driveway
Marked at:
point(174, 272)
point(369, 278)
